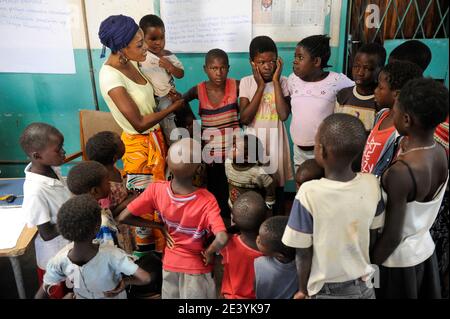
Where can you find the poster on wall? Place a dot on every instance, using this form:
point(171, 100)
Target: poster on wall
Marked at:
point(97, 11)
point(36, 37)
point(288, 20)
point(201, 25)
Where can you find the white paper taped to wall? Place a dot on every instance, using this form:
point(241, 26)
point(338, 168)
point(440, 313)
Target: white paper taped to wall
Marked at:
point(201, 25)
point(97, 11)
point(288, 20)
point(36, 37)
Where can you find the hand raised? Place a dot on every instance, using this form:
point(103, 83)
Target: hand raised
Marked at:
point(257, 75)
point(278, 70)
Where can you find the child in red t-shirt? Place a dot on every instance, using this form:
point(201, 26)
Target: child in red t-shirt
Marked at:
point(249, 212)
point(383, 135)
point(190, 216)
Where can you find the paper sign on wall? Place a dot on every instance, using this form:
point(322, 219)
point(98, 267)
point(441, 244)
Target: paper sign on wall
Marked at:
point(201, 25)
point(97, 11)
point(36, 37)
point(288, 20)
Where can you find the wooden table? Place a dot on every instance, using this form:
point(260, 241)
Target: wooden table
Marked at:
point(11, 186)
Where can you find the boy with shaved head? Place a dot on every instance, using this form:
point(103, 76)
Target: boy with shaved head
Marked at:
point(191, 215)
point(333, 219)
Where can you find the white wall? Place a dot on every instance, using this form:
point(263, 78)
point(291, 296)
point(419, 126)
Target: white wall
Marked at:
point(97, 11)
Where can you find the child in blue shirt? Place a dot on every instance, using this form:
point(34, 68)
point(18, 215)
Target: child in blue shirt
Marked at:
point(95, 271)
point(275, 272)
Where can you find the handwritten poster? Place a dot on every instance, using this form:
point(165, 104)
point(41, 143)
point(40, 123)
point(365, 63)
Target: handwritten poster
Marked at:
point(288, 20)
point(97, 11)
point(201, 25)
point(36, 37)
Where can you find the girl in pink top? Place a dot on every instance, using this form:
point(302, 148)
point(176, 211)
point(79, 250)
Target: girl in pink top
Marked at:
point(313, 93)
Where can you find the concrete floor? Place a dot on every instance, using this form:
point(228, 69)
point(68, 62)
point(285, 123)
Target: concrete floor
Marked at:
point(8, 288)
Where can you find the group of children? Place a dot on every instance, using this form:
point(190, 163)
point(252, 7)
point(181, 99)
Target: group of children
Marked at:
point(348, 137)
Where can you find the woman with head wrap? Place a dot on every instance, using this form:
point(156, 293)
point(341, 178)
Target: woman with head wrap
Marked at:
point(130, 98)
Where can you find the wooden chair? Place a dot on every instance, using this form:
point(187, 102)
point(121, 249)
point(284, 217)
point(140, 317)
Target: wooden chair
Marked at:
point(93, 122)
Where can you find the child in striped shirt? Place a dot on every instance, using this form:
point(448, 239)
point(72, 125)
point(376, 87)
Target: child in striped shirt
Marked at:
point(245, 173)
point(218, 110)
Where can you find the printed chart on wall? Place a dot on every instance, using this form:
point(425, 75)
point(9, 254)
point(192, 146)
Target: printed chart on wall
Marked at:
point(201, 25)
point(288, 20)
point(36, 37)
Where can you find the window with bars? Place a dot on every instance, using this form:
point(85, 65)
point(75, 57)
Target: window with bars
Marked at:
point(400, 19)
